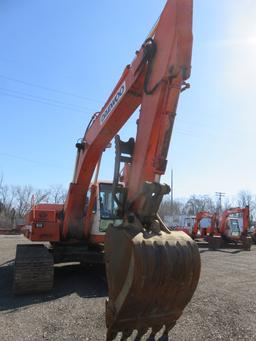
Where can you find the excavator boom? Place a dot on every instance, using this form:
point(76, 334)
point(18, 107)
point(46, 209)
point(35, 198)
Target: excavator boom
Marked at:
point(153, 80)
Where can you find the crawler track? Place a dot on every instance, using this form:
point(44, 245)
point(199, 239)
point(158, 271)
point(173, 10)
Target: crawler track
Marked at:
point(33, 269)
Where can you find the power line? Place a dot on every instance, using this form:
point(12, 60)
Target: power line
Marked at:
point(45, 99)
point(172, 189)
point(27, 159)
point(41, 102)
point(47, 88)
point(220, 195)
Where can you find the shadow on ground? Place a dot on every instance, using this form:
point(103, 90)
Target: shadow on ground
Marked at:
point(85, 281)
point(222, 250)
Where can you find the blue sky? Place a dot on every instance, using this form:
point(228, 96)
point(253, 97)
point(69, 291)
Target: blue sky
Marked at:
point(60, 60)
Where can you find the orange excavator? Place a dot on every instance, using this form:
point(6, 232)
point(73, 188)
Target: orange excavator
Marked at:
point(229, 229)
point(152, 272)
point(203, 231)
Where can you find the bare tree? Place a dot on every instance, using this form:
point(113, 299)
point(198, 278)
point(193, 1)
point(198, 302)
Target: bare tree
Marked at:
point(167, 209)
point(228, 203)
point(245, 198)
point(7, 213)
point(16, 201)
point(199, 203)
point(6, 196)
point(23, 197)
point(57, 194)
point(26, 197)
point(1, 180)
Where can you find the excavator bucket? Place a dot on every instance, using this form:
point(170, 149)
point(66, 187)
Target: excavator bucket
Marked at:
point(151, 278)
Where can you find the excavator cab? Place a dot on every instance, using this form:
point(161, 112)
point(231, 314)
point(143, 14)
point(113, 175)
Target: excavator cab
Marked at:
point(105, 211)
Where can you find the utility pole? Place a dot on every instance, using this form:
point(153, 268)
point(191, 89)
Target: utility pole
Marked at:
point(220, 195)
point(172, 191)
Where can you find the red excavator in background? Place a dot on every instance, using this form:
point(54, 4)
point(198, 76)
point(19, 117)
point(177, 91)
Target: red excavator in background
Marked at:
point(204, 231)
point(152, 272)
point(186, 225)
point(229, 229)
point(191, 224)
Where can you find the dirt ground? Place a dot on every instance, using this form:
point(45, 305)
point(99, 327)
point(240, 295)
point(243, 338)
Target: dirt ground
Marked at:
point(223, 307)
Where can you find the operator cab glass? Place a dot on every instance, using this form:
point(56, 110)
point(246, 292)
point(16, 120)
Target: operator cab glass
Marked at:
point(189, 222)
point(233, 225)
point(109, 211)
point(205, 223)
point(108, 207)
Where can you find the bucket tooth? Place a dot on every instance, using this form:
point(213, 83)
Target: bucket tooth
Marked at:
point(151, 338)
point(155, 331)
point(164, 337)
point(151, 277)
point(126, 334)
point(140, 334)
point(111, 335)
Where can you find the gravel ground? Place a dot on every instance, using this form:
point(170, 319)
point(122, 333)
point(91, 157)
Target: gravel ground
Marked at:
point(223, 307)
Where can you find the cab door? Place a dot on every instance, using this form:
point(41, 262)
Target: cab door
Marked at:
point(106, 210)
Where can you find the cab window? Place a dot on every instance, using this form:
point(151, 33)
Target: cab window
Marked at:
point(108, 207)
point(234, 226)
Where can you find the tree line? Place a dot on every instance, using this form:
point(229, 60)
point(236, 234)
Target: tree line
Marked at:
point(16, 201)
point(197, 203)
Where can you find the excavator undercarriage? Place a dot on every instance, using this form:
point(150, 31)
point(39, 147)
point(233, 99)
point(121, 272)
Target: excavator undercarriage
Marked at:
point(218, 242)
point(34, 264)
